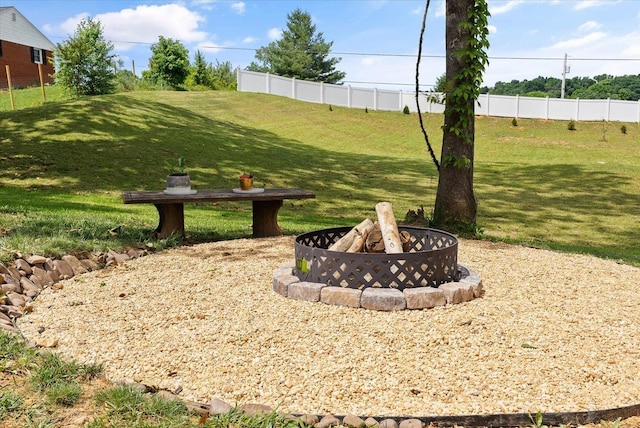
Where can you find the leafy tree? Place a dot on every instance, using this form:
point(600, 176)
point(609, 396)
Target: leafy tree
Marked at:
point(201, 75)
point(300, 53)
point(441, 83)
point(84, 61)
point(223, 76)
point(169, 62)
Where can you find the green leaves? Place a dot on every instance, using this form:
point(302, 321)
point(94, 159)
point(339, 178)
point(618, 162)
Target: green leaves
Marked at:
point(84, 61)
point(300, 52)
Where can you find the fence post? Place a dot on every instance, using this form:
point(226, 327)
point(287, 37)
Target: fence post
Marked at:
point(608, 112)
point(349, 96)
point(321, 92)
point(517, 106)
point(13, 104)
point(375, 99)
point(293, 88)
point(238, 82)
point(44, 95)
point(638, 111)
point(546, 115)
point(578, 109)
point(268, 82)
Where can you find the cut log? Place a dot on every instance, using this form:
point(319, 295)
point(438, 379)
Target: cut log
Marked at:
point(375, 243)
point(389, 228)
point(360, 238)
point(344, 243)
point(405, 237)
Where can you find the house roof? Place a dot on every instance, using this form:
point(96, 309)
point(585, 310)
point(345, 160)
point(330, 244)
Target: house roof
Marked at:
point(15, 28)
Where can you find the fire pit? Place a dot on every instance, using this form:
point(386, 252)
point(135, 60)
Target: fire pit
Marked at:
point(425, 275)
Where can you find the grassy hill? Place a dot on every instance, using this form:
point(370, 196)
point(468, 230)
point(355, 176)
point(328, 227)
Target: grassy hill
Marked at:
point(63, 166)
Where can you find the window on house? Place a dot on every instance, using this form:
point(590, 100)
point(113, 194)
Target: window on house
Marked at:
point(37, 56)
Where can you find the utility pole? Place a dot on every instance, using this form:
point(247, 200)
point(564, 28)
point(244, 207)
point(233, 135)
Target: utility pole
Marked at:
point(565, 70)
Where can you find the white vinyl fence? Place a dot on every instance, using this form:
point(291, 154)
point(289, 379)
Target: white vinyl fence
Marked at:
point(486, 105)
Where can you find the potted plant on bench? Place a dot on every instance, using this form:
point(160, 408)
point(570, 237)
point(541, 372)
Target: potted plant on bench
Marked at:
point(178, 180)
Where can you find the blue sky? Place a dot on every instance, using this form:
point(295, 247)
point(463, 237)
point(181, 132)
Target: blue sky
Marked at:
point(377, 40)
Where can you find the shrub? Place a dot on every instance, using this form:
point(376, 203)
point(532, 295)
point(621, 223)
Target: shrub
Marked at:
point(623, 129)
point(514, 122)
point(571, 126)
point(405, 110)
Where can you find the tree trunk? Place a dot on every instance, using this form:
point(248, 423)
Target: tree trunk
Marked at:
point(456, 205)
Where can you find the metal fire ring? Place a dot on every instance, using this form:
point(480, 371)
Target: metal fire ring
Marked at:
point(431, 261)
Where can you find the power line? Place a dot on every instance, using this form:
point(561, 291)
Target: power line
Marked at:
point(400, 55)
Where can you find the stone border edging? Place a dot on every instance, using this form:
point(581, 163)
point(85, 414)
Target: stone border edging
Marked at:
point(467, 288)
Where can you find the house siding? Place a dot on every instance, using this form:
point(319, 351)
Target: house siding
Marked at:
point(18, 37)
point(24, 72)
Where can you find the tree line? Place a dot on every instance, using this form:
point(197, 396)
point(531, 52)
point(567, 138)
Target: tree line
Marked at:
point(601, 87)
point(85, 64)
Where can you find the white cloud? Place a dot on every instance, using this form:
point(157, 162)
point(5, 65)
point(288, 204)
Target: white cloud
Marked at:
point(492, 29)
point(239, 7)
point(508, 6)
point(586, 41)
point(209, 47)
point(367, 62)
point(274, 33)
point(68, 27)
point(145, 24)
point(586, 4)
point(589, 26)
point(418, 11)
point(249, 39)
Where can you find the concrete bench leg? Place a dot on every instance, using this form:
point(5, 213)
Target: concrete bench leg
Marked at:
point(265, 218)
point(171, 220)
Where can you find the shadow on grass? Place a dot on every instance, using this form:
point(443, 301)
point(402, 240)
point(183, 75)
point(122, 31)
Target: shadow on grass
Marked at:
point(104, 145)
point(541, 197)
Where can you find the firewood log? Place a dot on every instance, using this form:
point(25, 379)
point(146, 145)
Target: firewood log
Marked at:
point(374, 243)
point(360, 238)
point(344, 243)
point(389, 228)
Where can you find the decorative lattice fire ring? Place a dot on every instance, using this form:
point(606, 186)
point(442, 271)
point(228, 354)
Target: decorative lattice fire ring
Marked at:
point(425, 276)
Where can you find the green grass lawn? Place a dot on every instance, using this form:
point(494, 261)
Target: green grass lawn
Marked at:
point(64, 164)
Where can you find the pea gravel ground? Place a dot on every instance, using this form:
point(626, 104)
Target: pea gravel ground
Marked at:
point(552, 333)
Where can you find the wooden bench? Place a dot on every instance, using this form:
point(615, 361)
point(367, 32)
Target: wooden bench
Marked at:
point(171, 207)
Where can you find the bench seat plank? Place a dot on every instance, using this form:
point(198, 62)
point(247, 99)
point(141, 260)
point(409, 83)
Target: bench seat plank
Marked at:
point(171, 207)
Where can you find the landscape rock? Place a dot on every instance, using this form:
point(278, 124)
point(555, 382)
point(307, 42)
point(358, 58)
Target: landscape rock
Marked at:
point(3, 268)
point(43, 276)
point(9, 328)
point(253, 409)
point(371, 423)
point(15, 299)
point(353, 421)
point(78, 268)
point(116, 257)
point(65, 271)
point(15, 272)
point(90, 264)
point(308, 419)
point(328, 421)
point(36, 260)
point(28, 285)
point(411, 423)
point(23, 265)
point(47, 342)
point(388, 423)
point(219, 407)
point(11, 287)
